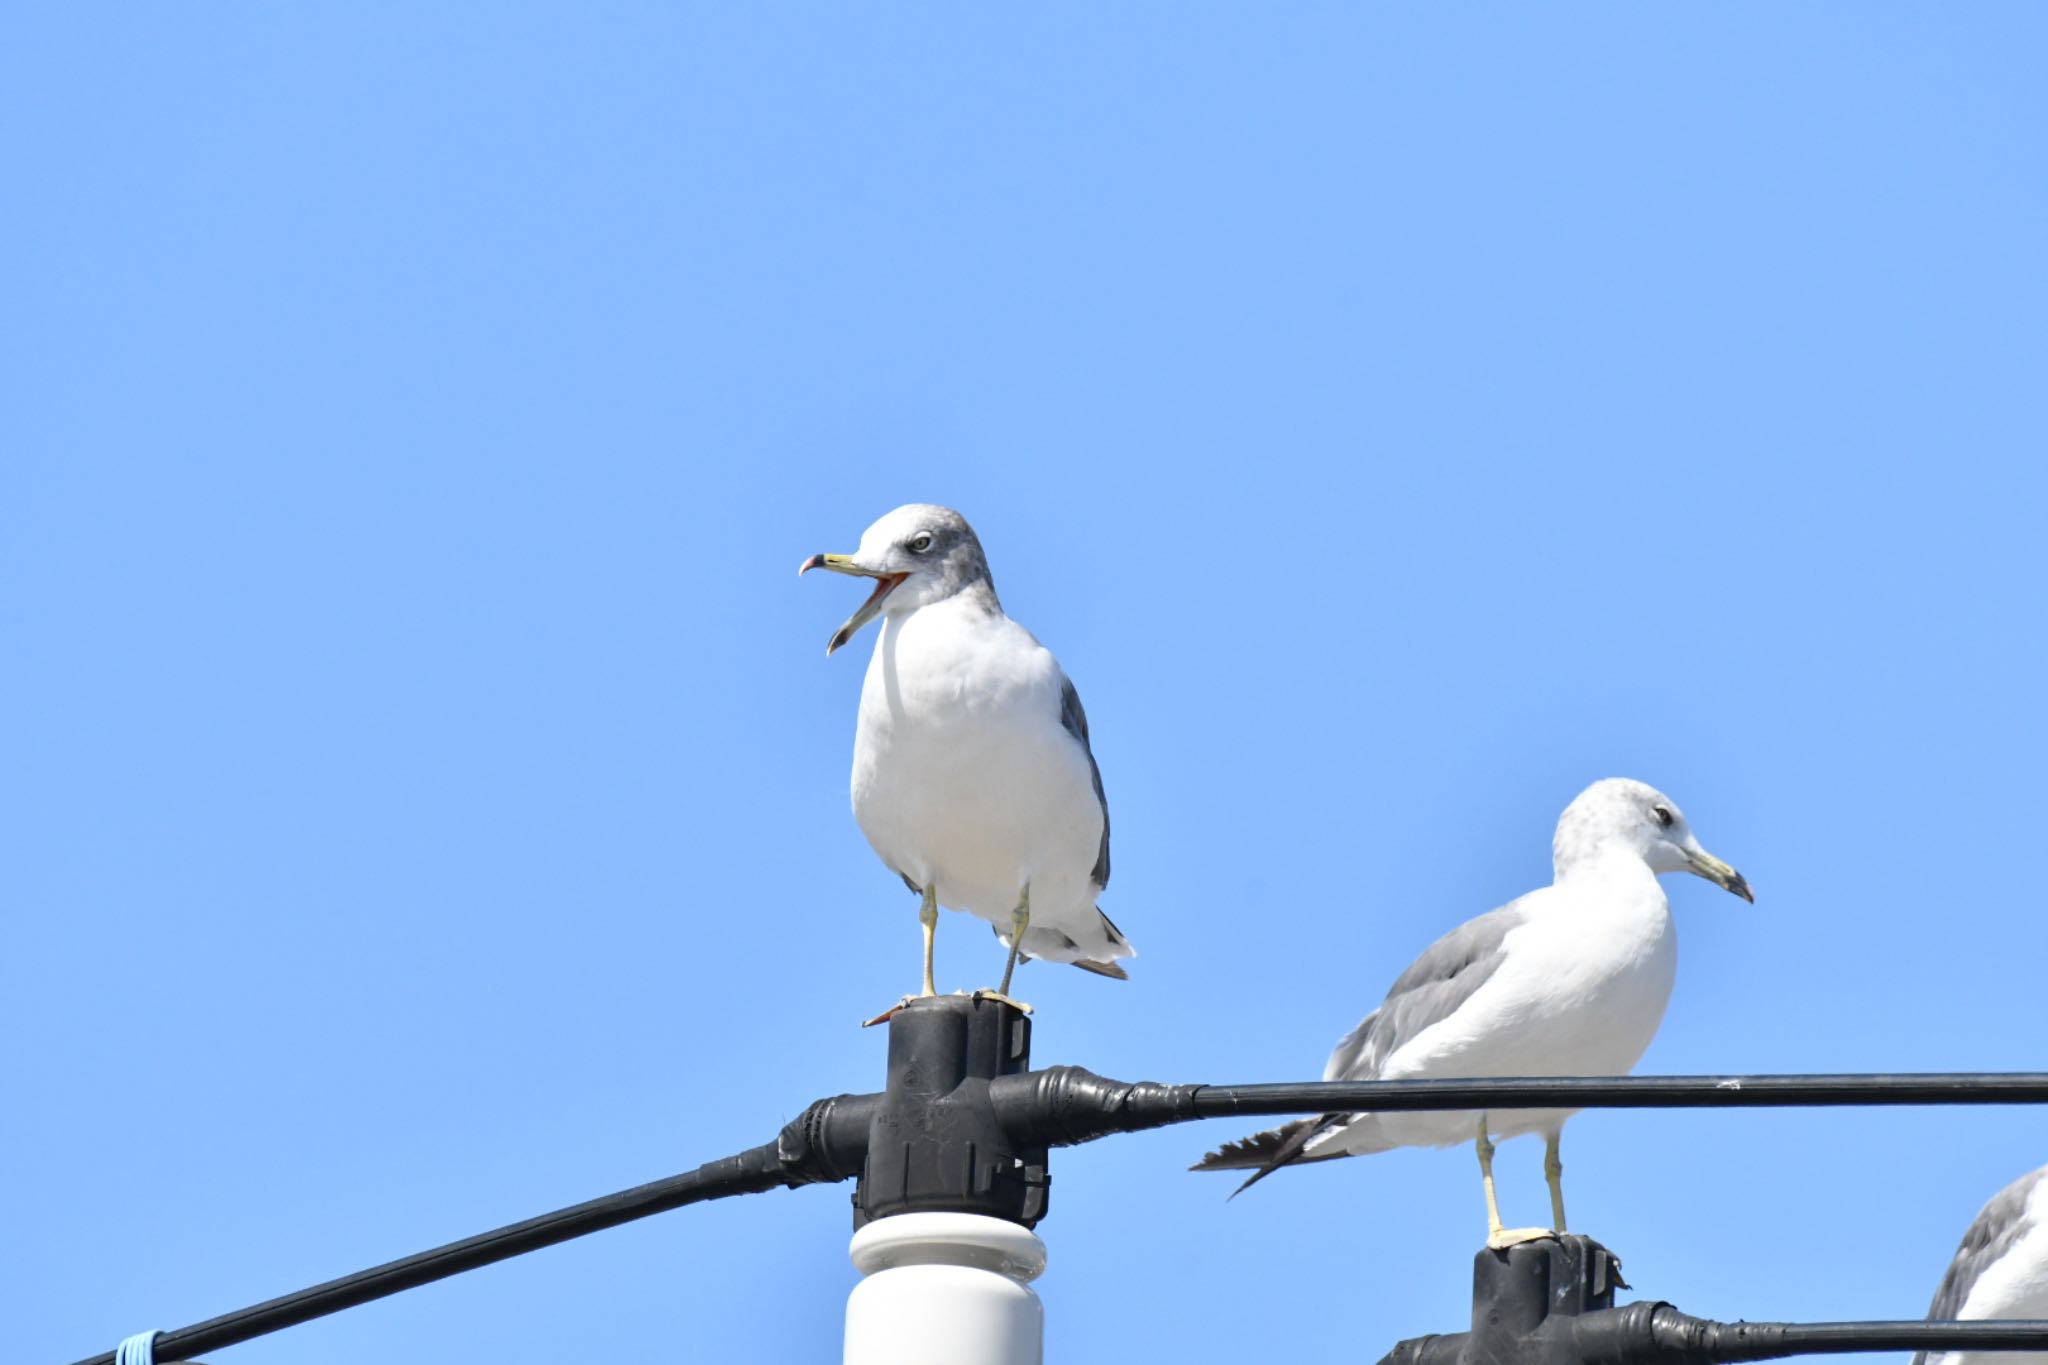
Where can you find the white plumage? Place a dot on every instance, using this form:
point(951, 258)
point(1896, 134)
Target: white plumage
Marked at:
point(2000, 1271)
point(972, 773)
point(1582, 984)
point(1569, 980)
point(963, 776)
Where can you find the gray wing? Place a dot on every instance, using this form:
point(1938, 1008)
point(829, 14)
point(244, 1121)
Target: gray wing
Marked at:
point(1435, 984)
point(1076, 722)
point(1998, 1226)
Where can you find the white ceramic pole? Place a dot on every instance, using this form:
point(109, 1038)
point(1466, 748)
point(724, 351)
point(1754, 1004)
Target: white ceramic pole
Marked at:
point(945, 1289)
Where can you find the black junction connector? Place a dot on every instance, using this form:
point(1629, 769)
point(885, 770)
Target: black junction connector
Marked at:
point(1551, 1302)
point(935, 1142)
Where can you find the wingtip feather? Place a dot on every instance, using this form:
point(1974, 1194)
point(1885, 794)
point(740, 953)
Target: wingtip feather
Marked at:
point(1268, 1151)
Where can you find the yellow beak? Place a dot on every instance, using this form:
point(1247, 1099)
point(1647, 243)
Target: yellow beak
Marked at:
point(884, 585)
point(1705, 864)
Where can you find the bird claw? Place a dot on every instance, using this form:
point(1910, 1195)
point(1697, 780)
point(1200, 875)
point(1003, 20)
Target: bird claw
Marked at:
point(1500, 1239)
point(890, 1013)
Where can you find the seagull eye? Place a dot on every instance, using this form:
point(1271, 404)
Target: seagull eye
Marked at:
point(1663, 815)
point(919, 543)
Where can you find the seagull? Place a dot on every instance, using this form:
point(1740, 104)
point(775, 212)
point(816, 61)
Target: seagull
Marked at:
point(972, 774)
point(2000, 1271)
point(1569, 980)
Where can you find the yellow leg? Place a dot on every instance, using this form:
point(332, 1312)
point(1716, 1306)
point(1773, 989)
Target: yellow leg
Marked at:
point(1020, 920)
point(928, 916)
point(1493, 1224)
point(1497, 1237)
point(1553, 1171)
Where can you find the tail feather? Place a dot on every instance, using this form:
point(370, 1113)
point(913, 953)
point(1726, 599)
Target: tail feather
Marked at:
point(1041, 941)
point(1272, 1149)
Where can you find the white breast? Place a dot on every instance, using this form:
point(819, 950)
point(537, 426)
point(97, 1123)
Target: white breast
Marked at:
point(1581, 992)
point(963, 774)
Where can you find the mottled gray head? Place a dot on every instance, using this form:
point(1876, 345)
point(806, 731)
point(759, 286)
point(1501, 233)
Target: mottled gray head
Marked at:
point(1618, 815)
point(918, 554)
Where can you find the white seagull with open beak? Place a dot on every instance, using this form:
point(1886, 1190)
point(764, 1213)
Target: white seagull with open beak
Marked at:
point(972, 774)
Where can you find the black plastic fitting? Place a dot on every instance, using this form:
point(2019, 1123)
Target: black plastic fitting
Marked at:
point(1551, 1302)
point(935, 1142)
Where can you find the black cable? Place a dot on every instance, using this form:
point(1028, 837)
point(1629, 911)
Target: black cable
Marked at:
point(1626, 1092)
point(1675, 1338)
point(747, 1173)
point(1834, 1338)
point(1064, 1105)
point(811, 1149)
point(1652, 1333)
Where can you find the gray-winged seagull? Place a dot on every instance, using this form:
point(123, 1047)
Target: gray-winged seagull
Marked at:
point(2000, 1271)
point(1570, 980)
point(972, 774)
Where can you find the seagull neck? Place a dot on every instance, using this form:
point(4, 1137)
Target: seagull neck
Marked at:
point(979, 596)
point(976, 599)
point(1612, 866)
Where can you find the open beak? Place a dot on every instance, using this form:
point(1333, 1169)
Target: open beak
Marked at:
point(885, 583)
point(1704, 864)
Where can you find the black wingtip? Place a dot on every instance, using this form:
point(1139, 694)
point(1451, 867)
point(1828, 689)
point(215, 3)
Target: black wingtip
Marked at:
point(1269, 1151)
point(1255, 1178)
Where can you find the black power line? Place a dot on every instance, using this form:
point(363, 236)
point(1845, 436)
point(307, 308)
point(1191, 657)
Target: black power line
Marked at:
point(964, 1126)
point(1063, 1105)
point(799, 1157)
point(1836, 1338)
point(1658, 1334)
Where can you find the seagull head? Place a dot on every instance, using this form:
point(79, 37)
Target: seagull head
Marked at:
point(917, 555)
point(1617, 813)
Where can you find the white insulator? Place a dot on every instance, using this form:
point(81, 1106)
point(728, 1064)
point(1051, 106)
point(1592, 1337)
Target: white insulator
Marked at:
point(945, 1289)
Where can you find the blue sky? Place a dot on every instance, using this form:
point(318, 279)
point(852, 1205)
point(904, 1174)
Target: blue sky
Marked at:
point(426, 799)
